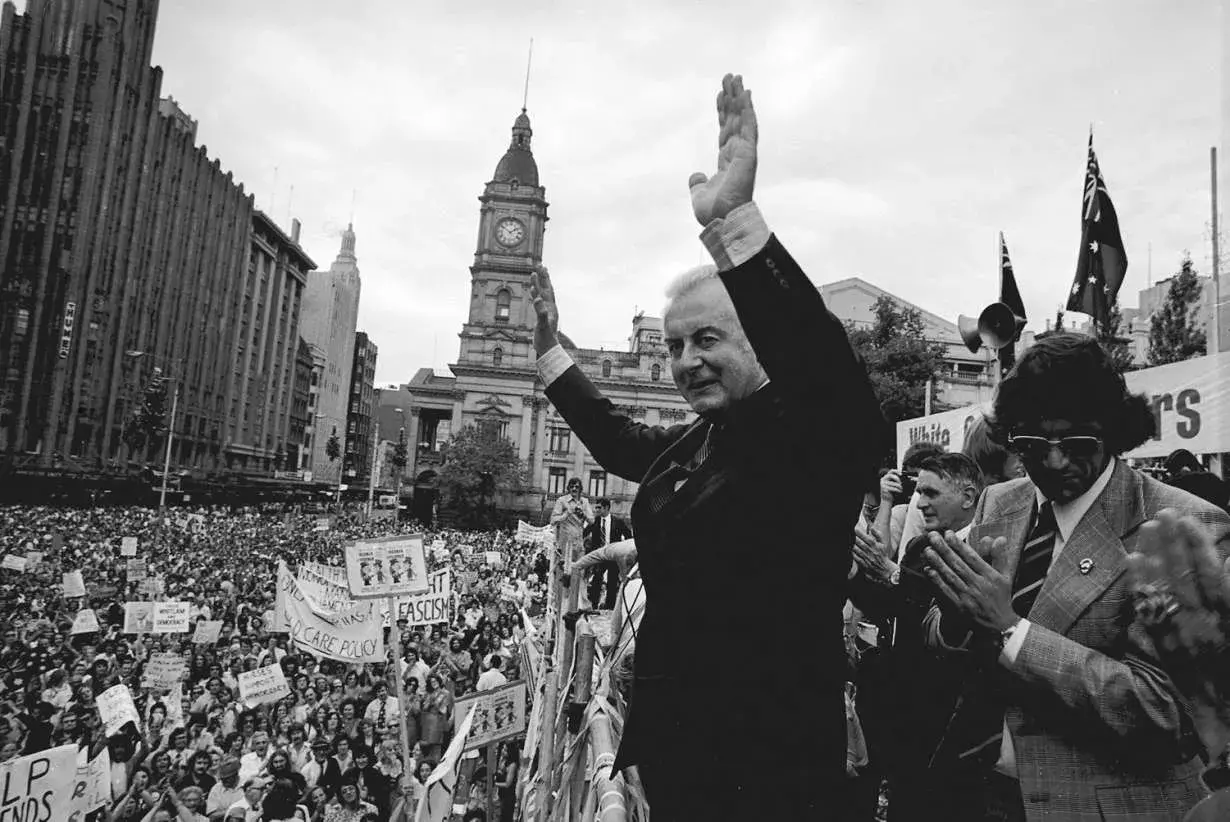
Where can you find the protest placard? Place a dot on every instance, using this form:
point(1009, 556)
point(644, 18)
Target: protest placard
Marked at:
point(170, 618)
point(92, 788)
point(262, 685)
point(138, 617)
point(497, 714)
point(152, 587)
point(430, 607)
point(349, 635)
point(174, 701)
point(137, 570)
point(40, 786)
point(324, 595)
point(86, 622)
point(14, 563)
point(322, 524)
point(74, 585)
point(33, 558)
point(494, 558)
point(115, 707)
point(128, 547)
point(163, 670)
point(207, 631)
point(390, 566)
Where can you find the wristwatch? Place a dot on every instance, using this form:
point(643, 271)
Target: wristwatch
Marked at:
point(894, 578)
point(1005, 635)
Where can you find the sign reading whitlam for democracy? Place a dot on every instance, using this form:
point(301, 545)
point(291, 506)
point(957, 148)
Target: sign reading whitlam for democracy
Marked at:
point(350, 635)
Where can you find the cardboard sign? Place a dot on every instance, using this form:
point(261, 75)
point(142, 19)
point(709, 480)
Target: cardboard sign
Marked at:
point(92, 788)
point(163, 670)
point(14, 563)
point(428, 608)
point(137, 570)
point(436, 804)
point(322, 524)
point(207, 631)
point(128, 547)
point(497, 714)
point(74, 585)
point(494, 558)
point(116, 708)
point(263, 685)
point(40, 786)
point(152, 587)
point(86, 622)
point(170, 618)
point(138, 617)
point(392, 566)
point(34, 558)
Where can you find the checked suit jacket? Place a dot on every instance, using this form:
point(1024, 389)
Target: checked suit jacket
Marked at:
point(1099, 730)
point(747, 558)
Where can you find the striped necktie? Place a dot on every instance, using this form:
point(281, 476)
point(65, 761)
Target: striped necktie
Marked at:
point(1035, 561)
point(985, 709)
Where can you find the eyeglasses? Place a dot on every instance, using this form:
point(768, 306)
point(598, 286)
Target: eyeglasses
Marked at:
point(1078, 446)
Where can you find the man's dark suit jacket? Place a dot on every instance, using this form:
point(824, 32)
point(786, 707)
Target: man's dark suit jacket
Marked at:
point(619, 531)
point(737, 699)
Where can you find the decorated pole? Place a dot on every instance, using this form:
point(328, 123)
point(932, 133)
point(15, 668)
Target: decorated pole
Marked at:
point(404, 733)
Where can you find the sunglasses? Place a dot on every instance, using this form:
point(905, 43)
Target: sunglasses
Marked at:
point(1079, 446)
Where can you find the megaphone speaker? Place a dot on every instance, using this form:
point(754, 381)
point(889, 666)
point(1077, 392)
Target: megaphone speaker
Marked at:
point(997, 326)
point(968, 327)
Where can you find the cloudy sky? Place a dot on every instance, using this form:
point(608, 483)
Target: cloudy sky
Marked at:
point(897, 138)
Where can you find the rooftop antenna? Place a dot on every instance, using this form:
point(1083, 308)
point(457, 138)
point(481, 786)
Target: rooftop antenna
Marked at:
point(354, 195)
point(525, 98)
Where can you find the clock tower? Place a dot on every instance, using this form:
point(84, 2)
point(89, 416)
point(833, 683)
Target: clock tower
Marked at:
point(511, 222)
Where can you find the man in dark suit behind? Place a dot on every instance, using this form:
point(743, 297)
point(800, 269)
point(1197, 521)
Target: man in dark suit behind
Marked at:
point(605, 529)
point(743, 516)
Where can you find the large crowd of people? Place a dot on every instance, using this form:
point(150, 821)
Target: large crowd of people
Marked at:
point(330, 750)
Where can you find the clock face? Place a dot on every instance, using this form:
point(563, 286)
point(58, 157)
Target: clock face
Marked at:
point(509, 233)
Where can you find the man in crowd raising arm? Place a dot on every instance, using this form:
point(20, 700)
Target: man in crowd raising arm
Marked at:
point(743, 515)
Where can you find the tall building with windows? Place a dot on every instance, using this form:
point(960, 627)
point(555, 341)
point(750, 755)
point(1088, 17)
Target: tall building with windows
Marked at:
point(360, 427)
point(330, 313)
point(123, 248)
point(494, 381)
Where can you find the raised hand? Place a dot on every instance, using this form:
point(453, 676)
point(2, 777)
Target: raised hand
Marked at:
point(979, 589)
point(542, 294)
point(715, 197)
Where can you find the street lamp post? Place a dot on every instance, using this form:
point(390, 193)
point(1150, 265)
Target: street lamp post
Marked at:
point(166, 460)
point(371, 471)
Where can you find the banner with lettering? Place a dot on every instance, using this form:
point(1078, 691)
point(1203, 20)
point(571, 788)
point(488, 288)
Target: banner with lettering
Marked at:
point(92, 788)
point(40, 786)
point(350, 635)
point(428, 608)
point(1190, 401)
point(171, 617)
point(263, 685)
point(116, 708)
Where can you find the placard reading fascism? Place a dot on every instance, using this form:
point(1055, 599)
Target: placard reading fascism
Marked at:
point(428, 608)
point(392, 566)
point(350, 635)
point(498, 714)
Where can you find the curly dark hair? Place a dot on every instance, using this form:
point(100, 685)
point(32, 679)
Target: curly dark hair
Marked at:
point(1066, 376)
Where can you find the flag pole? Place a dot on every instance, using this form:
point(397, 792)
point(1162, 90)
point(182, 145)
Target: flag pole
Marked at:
point(1215, 337)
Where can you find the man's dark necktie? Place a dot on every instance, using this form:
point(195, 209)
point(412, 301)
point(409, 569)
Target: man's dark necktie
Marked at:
point(1031, 571)
point(599, 532)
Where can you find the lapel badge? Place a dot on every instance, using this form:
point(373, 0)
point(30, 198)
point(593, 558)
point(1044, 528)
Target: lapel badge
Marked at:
point(1086, 565)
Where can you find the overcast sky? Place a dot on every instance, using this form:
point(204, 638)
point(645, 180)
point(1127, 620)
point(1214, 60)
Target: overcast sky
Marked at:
point(897, 138)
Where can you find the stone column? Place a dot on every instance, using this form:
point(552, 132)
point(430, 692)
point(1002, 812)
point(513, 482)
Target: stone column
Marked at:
point(540, 444)
point(527, 412)
point(457, 405)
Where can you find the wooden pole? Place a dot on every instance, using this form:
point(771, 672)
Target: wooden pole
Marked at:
point(492, 805)
point(403, 731)
point(546, 736)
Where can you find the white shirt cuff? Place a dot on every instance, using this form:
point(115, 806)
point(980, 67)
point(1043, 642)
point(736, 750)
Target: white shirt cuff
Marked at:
point(1013, 646)
point(553, 364)
point(736, 239)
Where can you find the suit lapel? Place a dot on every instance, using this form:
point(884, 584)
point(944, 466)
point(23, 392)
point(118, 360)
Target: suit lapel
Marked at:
point(1094, 556)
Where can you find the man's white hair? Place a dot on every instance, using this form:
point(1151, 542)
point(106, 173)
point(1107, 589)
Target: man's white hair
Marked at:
point(687, 282)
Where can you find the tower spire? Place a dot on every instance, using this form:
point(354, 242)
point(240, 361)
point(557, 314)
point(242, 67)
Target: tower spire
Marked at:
point(525, 98)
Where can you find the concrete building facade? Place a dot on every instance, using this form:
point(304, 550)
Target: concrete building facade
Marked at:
point(494, 381)
point(330, 314)
point(360, 412)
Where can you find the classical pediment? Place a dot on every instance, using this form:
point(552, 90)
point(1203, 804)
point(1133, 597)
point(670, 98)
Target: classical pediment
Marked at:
point(493, 403)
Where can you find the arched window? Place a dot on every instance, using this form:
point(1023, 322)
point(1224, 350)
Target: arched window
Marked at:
point(497, 357)
point(503, 299)
point(655, 372)
point(606, 368)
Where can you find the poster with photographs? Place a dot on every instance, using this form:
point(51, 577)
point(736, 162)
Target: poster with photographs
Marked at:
point(388, 567)
point(498, 714)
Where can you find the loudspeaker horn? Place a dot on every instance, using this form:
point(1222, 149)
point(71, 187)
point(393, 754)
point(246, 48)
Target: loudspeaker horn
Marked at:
point(996, 327)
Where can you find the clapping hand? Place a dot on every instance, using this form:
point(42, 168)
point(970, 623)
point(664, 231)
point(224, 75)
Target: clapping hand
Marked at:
point(871, 555)
point(1183, 603)
point(980, 589)
point(715, 197)
point(542, 295)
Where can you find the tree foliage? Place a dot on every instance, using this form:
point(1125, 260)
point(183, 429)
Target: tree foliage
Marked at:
point(333, 448)
point(1114, 340)
point(400, 453)
point(1176, 331)
point(150, 418)
point(478, 461)
point(899, 358)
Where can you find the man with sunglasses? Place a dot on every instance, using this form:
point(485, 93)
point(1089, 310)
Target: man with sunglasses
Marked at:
point(1067, 712)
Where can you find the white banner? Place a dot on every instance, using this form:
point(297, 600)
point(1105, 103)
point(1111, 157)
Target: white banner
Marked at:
point(207, 631)
point(92, 789)
point(74, 585)
point(136, 570)
point(1190, 401)
point(170, 617)
point(391, 566)
point(437, 802)
point(428, 608)
point(86, 622)
point(497, 714)
point(115, 707)
point(14, 563)
point(352, 635)
point(138, 617)
point(39, 786)
point(163, 670)
point(128, 547)
point(263, 685)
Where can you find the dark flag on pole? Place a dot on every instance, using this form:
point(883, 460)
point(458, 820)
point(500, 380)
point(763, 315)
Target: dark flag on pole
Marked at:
point(1102, 262)
point(1010, 296)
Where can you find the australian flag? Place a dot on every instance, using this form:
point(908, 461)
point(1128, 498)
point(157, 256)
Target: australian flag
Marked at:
point(1010, 296)
point(1102, 262)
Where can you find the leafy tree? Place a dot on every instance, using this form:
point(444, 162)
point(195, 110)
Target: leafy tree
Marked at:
point(1059, 319)
point(400, 453)
point(478, 461)
point(1176, 331)
point(333, 448)
point(900, 360)
point(1117, 346)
